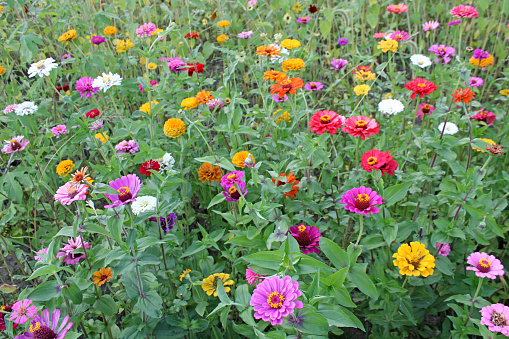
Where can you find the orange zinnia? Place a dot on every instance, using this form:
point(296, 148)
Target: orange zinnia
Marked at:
point(274, 75)
point(267, 50)
point(290, 179)
point(209, 172)
point(203, 97)
point(102, 276)
point(463, 94)
point(287, 86)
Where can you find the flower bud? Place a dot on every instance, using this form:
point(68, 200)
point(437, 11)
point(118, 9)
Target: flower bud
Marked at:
point(469, 50)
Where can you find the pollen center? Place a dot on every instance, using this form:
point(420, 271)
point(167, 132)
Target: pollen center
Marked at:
point(362, 201)
point(275, 300)
point(372, 161)
point(484, 265)
point(361, 123)
point(325, 119)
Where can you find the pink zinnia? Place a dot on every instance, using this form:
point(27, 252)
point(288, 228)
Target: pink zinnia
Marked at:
point(252, 277)
point(70, 192)
point(42, 252)
point(71, 258)
point(379, 35)
point(10, 108)
point(360, 126)
point(146, 30)
point(485, 116)
point(22, 311)
point(361, 200)
point(399, 36)
point(127, 186)
point(475, 82)
point(445, 250)
point(496, 317)
point(464, 11)
point(484, 265)
point(278, 99)
point(232, 179)
point(16, 144)
point(401, 8)
point(44, 328)
point(84, 87)
point(151, 82)
point(274, 299)
point(59, 129)
point(313, 86)
point(323, 121)
point(430, 25)
point(424, 109)
point(304, 19)
point(308, 238)
point(245, 35)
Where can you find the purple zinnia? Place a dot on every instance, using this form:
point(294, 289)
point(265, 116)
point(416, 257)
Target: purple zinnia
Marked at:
point(84, 86)
point(43, 327)
point(97, 40)
point(484, 265)
point(361, 200)
point(475, 82)
point(307, 237)
point(15, 144)
point(313, 86)
point(338, 64)
point(127, 147)
point(127, 186)
point(443, 52)
point(479, 54)
point(71, 258)
point(274, 299)
point(215, 105)
point(342, 41)
point(166, 223)
point(278, 99)
point(454, 23)
point(496, 317)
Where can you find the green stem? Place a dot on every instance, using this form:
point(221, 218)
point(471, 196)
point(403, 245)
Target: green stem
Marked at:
point(474, 299)
point(360, 231)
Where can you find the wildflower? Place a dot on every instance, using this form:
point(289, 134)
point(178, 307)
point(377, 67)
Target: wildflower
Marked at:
point(443, 52)
point(292, 64)
point(232, 179)
point(10, 108)
point(194, 67)
point(43, 327)
point(338, 64)
point(106, 81)
point(65, 167)
point(454, 23)
point(192, 35)
point(420, 60)
point(379, 161)
point(287, 18)
point(391, 106)
point(209, 284)
point(274, 75)
point(379, 35)
point(414, 260)
point(364, 76)
point(96, 125)
point(102, 276)
point(464, 11)
point(81, 177)
point(215, 105)
point(285, 116)
point(97, 40)
point(144, 204)
point(388, 45)
point(397, 9)
point(290, 179)
point(496, 317)
point(68, 36)
point(146, 107)
point(312, 9)
point(484, 265)
point(323, 121)
point(485, 116)
point(290, 43)
point(16, 144)
point(110, 30)
point(287, 86)
point(166, 223)
point(185, 274)
point(26, 108)
point(42, 68)
point(245, 35)
point(475, 82)
point(176, 65)
point(252, 277)
point(64, 88)
point(240, 157)
point(222, 38)
point(22, 311)
point(423, 109)
point(252, 2)
point(151, 66)
point(241, 57)
point(203, 97)
point(124, 45)
point(92, 113)
point(504, 92)
point(307, 237)
point(40, 254)
point(85, 88)
point(445, 249)
point(151, 83)
point(102, 137)
point(127, 187)
point(488, 141)
point(448, 128)
point(71, 258)
point(279, 99)
point(361, 89)
point(360, 126)
point(303, 19)
point(430, 25)
point(463, 94)
point(59, 129)
point(275, 298)
point(399, 36)
point(421, 87)
point(127, 147)
point(223, 23)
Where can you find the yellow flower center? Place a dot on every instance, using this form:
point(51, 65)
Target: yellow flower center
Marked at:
point(325, 119)
point(421, 85)
point(485, 263)
point(13, 141)
point(275, 300)
point(361, 123)
point(302, 228)
point(39, 64)
point(123, 191)
point(232, 176)
point(372, 161)
point(441, 49)
point(35, 327)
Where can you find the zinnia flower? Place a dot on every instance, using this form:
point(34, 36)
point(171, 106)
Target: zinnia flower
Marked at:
point(338, 64)
point(379, 161)
point(292, 64)
point(454, 23)
point(65, 167)
point(92, 113)
point(42, 68)
point(16, 144)
point(209, 172)
point(323, 121)
point(193, 35)
point(127, 187)
point(59, 129)
point(245, 35)
point(463, 94)
point(68, 36)
point(194, 67)
point(475, 82)
point(106, 81)
point(10, 108)
point(232, 179)
point(96, 125)
point(209, 284)
point(81, 177)
point(303, 20)
point(414, 260)
point(420, 60)
point(443, 52)
point(483, 63)
point(223, 23)
point(174, 127)
point(361, 200)
point(144, 204)
point(127, 147)
point(397, 9)
point(268, 51)
point(287, 86)
point(307, 237)
point(102, 137)
point(149, 165)
point(423, 109)
point(233, 193)
point(290, 43)
point(364, 76)
point(185, 274)
point(360, 126)
point(391, 106)
point(166, 223)
point(448, 128)
point(222, 38)
point(484, 265)
point(25, 108)
point(215, 105)
point(97, 40)
point(388, 45)
point(146, 107)
point(252, 277)
point(485, 116)
point(379, 35)
point(464, 11)
point(290, 179)
point(102, 276)
point(342, 41)
point(40, 254)
point(496, 317)
point(399, 36)
point(361, 89)
point(42, 327)
point(71, 258)
point(22, 311)
point(430, 25)
point(420, 87)
point(203, 97)
point(313, 86)
point(70, 192)
point(274, 75)
point(7, 309)
point(124, 45)
point(445, 250)
point(275, 298)
point(240, 157)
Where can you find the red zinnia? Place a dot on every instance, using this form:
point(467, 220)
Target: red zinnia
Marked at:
point(194, 67)
point(193, 35)
point(379, 161)
point(323, 121)
point(149, 165)
point(364, 68)
point(92, 113)
point(360, 126)
point(420, 87)
point(290, 179)
point(7, 309)
point(463, 94)
point(64, 88)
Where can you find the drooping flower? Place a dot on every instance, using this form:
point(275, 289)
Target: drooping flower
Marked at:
point(68, 36)
point(445, 249)
point(361, 200)
point(485, 116)
point(360, 126)
point(399, 36)
point(144, 204)
point(96, 125)
point(275, 298)
point(127, 186)
point(397, 9)
point(443, 52)
point(149, 165)
point(290, 179)
point(388, 45)
point(252, 277)
point(209, 284)
point(420, 87)
point(379, 161)
point(287, 86)
point(338, 64)
point(92, 113)
point(323, 121)
point(463, 94)
point(102, 276)
point(420, 60)
point(424, 109)
point(110, 30)
point(475, 82)
point(391, 106)
point(26, 108)
point(362, 89)
point(290, 43)
point(484, 265)
point(16, 144)
point(127, 147)
point(414, 260)
point(448, 128)
point(292, 64)
point(167, 222)
point(106, 81)
point(174, 127)
point(42, 68)
point(307, 236)
point(496, 317)
point(71, 258)
point(22, 311)
point(59, 129)
point(464, 11)
point(430, 25)
point(489, 143)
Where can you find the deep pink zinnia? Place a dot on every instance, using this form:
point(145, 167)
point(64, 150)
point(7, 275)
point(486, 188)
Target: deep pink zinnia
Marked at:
point(85, 88)
point(485, 116)
point(16, 144)
point(361, 200)
point(252, 277)
point(445, 249)
point(399, 36)
point(360, 126)
point(71, 258)
point(496, 317)
point(231, 179)
point(307, 237)
point(127, 186)
point(484, 265)
point(22, 311)
point(424, 109)
point(146, 30)
point(70, 192)
point(464, 11)
point(59, 129)
point(323, 121)
point(43, 327)
point(274, 299)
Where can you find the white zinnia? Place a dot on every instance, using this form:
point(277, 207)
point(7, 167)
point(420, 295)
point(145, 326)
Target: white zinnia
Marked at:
point(42, 68)
point(450, 128)
point(106, 81)
point(391, 106)
point(281, 56)
point(26, 108)
point(167, 161)
point(420, 60)
point(144, 204)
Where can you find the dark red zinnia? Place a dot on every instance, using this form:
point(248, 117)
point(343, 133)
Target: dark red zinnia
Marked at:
point(92, 113)
point(194, 67)
point(420, 87)
point(312, 9)
point(64, 88)
point(193, 35)
point(5, 308)
point(149, 165)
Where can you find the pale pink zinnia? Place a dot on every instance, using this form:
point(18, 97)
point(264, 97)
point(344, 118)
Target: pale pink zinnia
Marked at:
point(430, 25)
point(252, 277)
point(16, 144)
point(444, 250)
point(379, 35)
point(10, 108)
point(464, 11)
point(485, 265)
point(146, 30)
point(22, 311)
point(70, 192)
point(361, 200)
point(496, 317)
point(40, 253)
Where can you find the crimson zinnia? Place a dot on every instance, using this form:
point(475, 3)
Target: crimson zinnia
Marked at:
point(420, 87)
point(323, 121)
point(149, 165)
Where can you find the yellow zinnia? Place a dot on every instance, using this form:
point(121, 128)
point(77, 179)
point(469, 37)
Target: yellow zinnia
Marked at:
point(240, 158)
point(504, 92)
point(285, 116)
point(414, 260)
point(189, 103)
point(124, 45)
point(222, 38)
point(185, 274)
point(146, 108)
point(290, 43)
point(388, 45)
point(102, 137)
point(488, 141)
point(2, 70)
point(65, 167)
point(489, 61)
point(68, 36)
point(223, 23)
point(209, 284)
point(292, 64)
point(361, 89)
point(152, 66)
point(365, 76)
point(174, 127)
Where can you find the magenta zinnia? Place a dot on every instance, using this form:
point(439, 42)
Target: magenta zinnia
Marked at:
point(15, 144)
point(274, 299)
point(484, 265)
point(361, 200)
point(85, 88)
point(252, 277)
point(307, 237)
point(128, 187)
point(71, 258)
point(22, 311)
point(44, 328)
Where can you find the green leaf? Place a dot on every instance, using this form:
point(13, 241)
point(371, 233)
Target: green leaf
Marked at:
point(325, 27)
point(314, 288)
point(45, 270)
point(221, 293)
point(151, 303)
point(73, 292)
point(45, 291)
point(106, 305)
point(267, 259)
point(338, 257)
point(337, 279)
point(195, 247)
point(219, 198)
point(396, 193)
point(362, 281)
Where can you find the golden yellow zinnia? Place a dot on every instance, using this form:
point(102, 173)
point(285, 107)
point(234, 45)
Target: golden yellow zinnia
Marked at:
point(65, 167)
point(388, 45)
point(504, 92)
point(185, 274)
point(222, 38)
point(363, 76)
point(414, 260)
point(103, 137)
point(209, 284)
point(290, 43)
point(239, 159)
point(203, 97)
point(174, 127)
point(145, 107)
point(488, 141)
point(292, 64)
point(285, 116)
point(68, 36)
point(223, 23)
point(124, 45)
point(110, 30)
point(2, 70)
point(189, 103)
point(361, 89)
point(489, 61)
point(152, 66)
